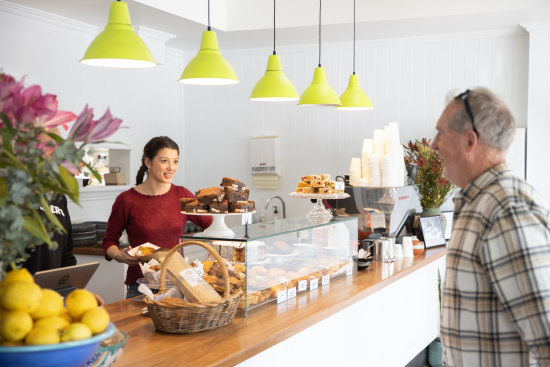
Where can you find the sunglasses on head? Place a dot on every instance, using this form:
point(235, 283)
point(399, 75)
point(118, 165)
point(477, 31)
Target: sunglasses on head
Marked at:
point(464, 97)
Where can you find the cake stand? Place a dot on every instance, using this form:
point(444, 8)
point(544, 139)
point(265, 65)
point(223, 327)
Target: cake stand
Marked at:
point(319, 214)
point(218, 228)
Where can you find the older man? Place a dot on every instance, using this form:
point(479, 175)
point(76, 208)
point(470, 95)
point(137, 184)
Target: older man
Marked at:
point(496, 298)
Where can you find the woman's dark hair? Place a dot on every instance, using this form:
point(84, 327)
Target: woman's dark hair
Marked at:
point(151, 149)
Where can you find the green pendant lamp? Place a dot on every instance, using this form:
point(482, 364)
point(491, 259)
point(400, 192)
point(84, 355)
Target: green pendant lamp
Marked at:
point(274, 86)
point(319, 92)
point(118, 46)
point(354, 99)
point(209, 67)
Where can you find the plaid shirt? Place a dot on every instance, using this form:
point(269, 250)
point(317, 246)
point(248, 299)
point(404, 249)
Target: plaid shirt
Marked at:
point(496, 298)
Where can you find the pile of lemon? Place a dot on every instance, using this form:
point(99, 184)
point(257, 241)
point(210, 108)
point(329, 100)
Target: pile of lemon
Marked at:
point(32, 315)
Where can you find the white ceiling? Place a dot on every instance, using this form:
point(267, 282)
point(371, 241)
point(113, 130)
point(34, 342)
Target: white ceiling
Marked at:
point(249, 23)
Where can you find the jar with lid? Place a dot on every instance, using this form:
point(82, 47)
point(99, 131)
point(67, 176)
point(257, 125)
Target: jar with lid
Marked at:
point(418, 246)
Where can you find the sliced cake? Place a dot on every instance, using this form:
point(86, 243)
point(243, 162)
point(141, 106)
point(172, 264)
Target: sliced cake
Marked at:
point(210, 195)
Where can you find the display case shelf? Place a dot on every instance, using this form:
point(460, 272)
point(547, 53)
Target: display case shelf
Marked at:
point(276, 261)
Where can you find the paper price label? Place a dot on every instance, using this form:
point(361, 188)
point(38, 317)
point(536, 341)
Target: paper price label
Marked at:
point(313, 284)
point(302, 285)
point(325, 280)
point(291, 293)
point(339, 186)
point(282, 296)
point(349, 271)
point(246, 218)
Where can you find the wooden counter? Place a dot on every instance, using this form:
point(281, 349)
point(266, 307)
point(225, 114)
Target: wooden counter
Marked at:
point(246, 337)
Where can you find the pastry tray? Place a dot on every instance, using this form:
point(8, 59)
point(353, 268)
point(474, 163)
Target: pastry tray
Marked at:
point(341, 195)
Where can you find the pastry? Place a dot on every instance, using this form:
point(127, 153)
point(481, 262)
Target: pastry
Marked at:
point(185, 201)
point(242, 206)
point(317, 183)
point(325, 177)
point(275, 289)
point(206, 265)
point(236, 184)
point(257, 270)
point(210, 195)
point(145, 250)
point(303, 184)
point(219, 208)
point(196, 207)
point(233, 195)
point(241, 268)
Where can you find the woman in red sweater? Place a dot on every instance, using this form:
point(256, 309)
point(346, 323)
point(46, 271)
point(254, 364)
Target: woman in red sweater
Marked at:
point(150, 211)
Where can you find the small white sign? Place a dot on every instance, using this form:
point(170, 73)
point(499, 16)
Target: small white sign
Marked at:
point(246, 218)
point(282, 296)
point(291, 293)
point(302, 285)
point(349, 271)
point(339, 186)
point(325, 280)
point(313, 284)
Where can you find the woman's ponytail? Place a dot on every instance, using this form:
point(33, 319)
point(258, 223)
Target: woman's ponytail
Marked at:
point(140, 174)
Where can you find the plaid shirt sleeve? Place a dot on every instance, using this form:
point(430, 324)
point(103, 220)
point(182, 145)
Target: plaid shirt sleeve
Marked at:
point(516, 258)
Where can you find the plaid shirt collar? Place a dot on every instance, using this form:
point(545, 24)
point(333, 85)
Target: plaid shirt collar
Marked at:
point(470, 192)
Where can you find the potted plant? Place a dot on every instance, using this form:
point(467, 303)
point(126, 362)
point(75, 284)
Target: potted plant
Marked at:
point(36, 164)
point(432, 188)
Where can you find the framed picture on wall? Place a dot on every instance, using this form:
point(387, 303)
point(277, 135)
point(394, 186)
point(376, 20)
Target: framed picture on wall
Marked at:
point(432, 231)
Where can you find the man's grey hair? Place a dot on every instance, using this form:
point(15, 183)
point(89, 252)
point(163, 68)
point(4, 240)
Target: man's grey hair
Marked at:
point(493, 120)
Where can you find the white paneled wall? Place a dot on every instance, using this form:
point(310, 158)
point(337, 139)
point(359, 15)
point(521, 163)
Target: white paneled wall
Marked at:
point(48, 48)
point(406, 79)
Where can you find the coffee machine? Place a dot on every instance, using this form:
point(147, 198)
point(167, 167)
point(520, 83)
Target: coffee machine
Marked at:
point(381, 211)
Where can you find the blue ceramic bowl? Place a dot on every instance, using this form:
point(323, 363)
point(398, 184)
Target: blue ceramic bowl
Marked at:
point(106, 356)
point(67, 354)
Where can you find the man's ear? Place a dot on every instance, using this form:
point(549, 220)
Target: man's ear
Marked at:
point(471, 140)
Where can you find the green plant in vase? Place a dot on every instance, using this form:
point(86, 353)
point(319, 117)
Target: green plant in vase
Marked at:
point(432, 188)
point(36, 164)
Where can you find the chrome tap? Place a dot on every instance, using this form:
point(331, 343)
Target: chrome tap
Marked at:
point(282, 202)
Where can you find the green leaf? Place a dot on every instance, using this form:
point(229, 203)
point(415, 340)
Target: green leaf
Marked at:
point(94, 172)
point(50, 215)
point(3, 191)
point(15, 161)
point(69, 182)
point(36, 228)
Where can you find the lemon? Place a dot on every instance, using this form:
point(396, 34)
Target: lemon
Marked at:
point(96, 319)
point(42, 335)
point(13, 344)
point(19, 275)
point(22, 296)
point(15, 325)
point(76, 331)
point(80, 301)
point(56, 322)
point(51, 304)
point(65, 315)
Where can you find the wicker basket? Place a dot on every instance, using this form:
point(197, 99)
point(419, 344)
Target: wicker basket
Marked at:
point(193, 317)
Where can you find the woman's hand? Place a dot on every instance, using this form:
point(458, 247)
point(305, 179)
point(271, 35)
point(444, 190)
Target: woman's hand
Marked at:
point(125, 258)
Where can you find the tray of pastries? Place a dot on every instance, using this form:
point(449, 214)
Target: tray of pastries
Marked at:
point(318, 187)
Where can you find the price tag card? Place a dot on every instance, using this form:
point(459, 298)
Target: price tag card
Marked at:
point(313, 284)
point(291, 293)
point(349, 271)
point(281, 296)
point(246, 218)
point(302, 285)
point(325, 280)
point(339, 186)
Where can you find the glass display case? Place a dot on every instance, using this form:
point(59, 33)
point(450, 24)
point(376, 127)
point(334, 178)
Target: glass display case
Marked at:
point(276, 261)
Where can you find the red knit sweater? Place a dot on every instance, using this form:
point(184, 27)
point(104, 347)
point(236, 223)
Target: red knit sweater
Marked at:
point(154, 219)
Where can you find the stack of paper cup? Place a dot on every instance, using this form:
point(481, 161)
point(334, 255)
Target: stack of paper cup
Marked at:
point(365, 153)
point(407, 247)
point(388, 171)
point(378, 142)
point(355, 171)
point(375, 176)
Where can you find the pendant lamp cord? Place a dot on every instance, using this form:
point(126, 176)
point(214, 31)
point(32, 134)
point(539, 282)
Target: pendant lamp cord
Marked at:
point(319, 33)
point(274, 52)
point(209, 15)
point(353, 37)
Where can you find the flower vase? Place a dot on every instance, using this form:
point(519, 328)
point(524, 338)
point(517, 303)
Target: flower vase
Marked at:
point(430, 212)
point(435, 353)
